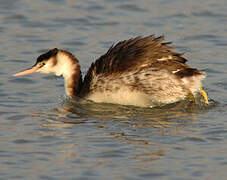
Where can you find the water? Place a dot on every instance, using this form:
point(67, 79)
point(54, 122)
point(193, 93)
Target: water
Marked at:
point(44, 136)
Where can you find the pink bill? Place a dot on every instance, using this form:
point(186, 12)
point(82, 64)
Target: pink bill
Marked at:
point(27, 71)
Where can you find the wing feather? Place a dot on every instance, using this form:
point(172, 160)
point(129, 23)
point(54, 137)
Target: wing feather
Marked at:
point(135, 53)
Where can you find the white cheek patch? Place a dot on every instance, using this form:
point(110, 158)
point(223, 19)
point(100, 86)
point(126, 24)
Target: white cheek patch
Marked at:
point(47, 68)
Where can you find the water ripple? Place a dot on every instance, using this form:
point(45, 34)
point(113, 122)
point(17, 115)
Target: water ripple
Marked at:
point(209, 14)
point(43, 135)
point(131, 7)
point(193, 139)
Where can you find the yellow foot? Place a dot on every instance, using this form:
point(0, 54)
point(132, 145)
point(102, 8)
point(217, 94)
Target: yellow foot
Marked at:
point(190, 97)
point(204, 94)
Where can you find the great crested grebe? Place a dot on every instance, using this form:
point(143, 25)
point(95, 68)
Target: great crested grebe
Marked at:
point(141, 71)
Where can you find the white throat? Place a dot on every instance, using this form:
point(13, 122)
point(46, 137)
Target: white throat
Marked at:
point(67, 66)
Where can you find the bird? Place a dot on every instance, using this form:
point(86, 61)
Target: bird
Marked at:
point(141, 71)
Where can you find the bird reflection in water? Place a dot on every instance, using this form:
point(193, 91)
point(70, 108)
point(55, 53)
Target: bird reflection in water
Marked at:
point(129, 126)
point(73, 112)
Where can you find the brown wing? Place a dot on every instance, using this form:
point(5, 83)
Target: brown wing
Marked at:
point(137, 53)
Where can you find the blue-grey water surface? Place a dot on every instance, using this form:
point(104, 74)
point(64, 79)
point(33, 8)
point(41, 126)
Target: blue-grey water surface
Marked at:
point(45, 136)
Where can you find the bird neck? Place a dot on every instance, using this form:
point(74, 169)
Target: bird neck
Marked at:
point(73, 84)
point(69, 68)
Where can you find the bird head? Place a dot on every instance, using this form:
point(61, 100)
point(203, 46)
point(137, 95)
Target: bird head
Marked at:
point(45, 63)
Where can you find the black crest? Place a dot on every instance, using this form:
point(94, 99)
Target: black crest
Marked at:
point(47, 55)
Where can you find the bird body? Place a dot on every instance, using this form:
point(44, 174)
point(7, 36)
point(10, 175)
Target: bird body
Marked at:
point(142, 71)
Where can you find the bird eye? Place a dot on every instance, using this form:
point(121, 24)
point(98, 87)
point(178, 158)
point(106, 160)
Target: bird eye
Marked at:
point(41, 64)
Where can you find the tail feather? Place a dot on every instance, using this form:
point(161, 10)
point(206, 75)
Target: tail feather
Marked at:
point(191, 78)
